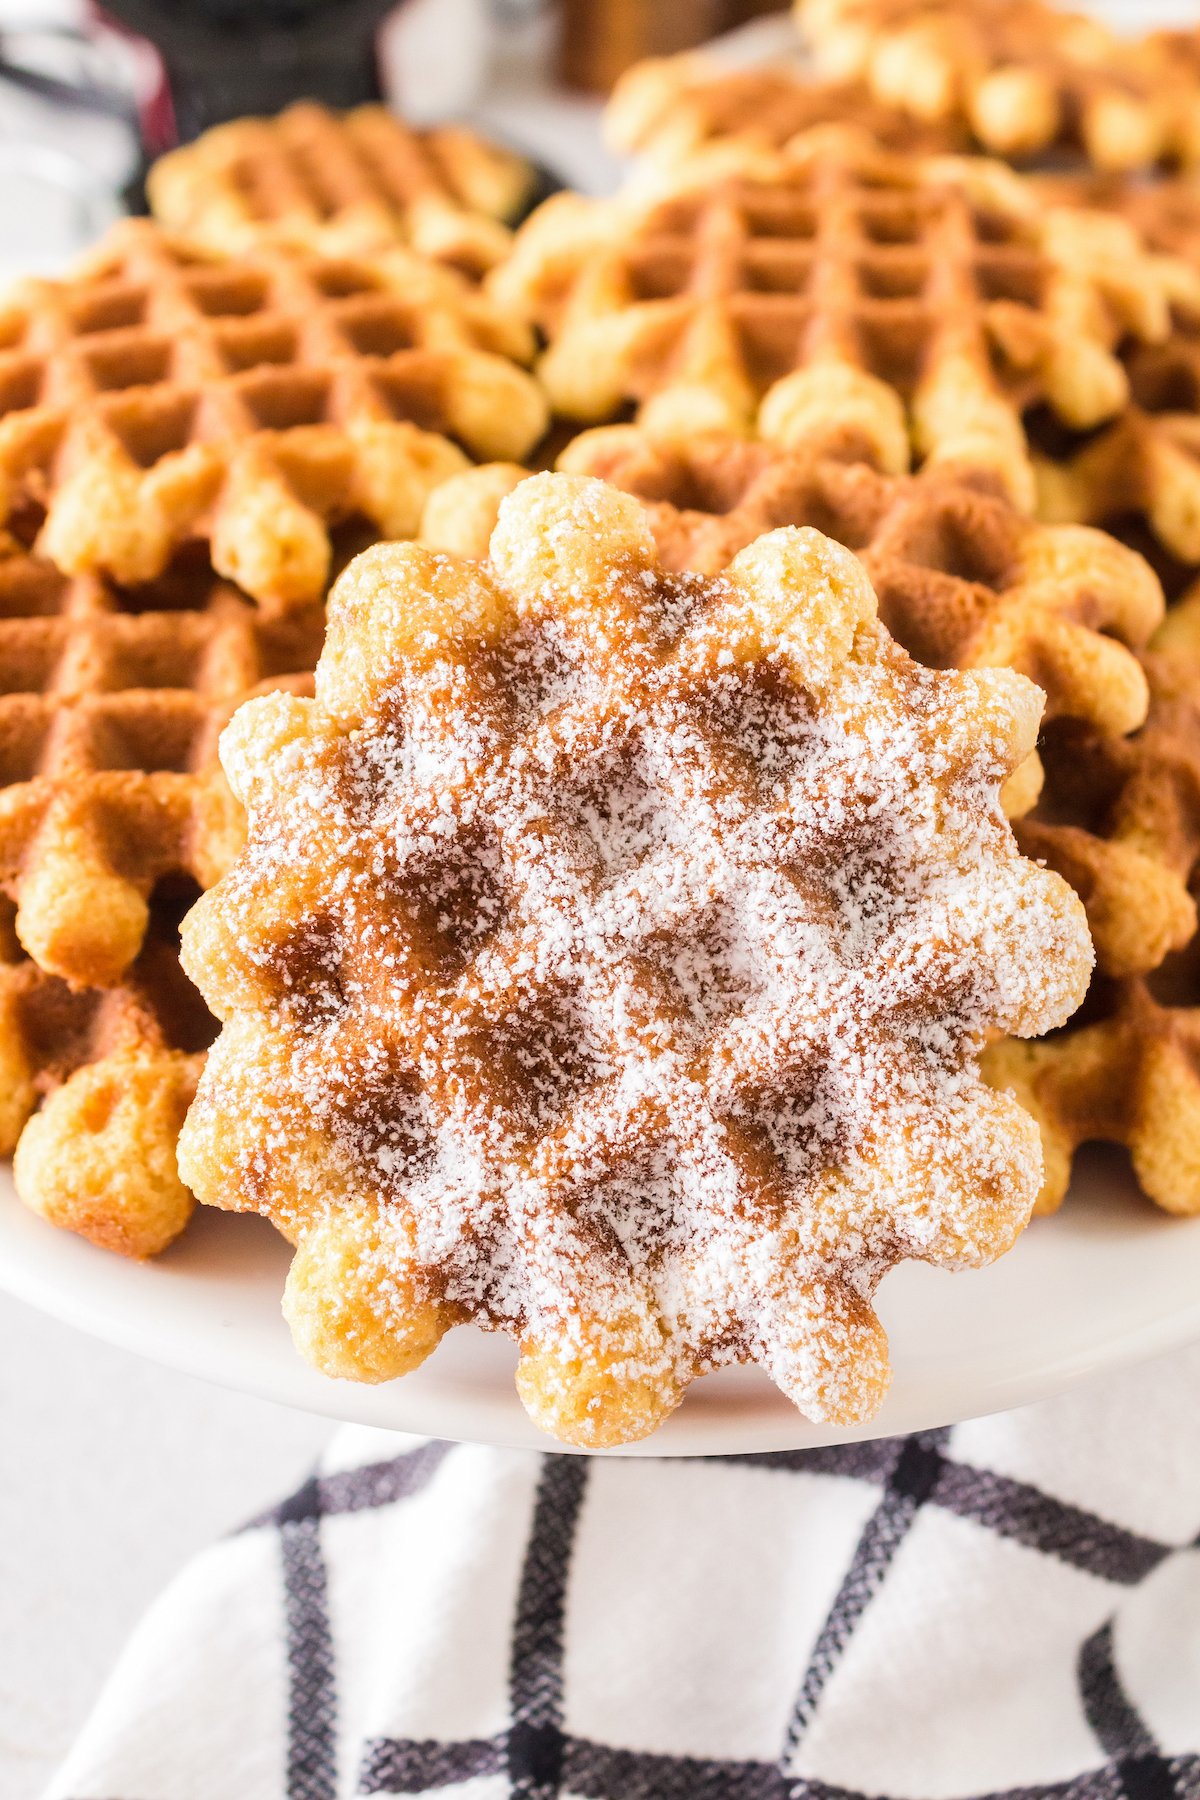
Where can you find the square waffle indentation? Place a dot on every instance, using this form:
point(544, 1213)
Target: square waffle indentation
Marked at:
point(126, 361)
point(25, 721)
point(251, 342)
point(156, 733)
point(30, 652)
point(21, 381)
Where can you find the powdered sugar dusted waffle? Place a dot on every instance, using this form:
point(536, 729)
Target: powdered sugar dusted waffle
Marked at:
point(609, 962)
point(963, 579)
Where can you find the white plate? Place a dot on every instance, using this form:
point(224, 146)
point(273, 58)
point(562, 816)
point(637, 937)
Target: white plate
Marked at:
point(1108, 1281)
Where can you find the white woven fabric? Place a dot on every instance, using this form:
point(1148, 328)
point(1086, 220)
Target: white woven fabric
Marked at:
point(1008, 1608)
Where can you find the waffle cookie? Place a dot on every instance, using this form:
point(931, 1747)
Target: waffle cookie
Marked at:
point(1120, 817)
point(608, 963)
point(343, 184)
point(162, 394)
point(666, 108)
point(1165, 213)
point(1024, 76)
point(1126, 1074)
point(1143, 470)
point(111, 702)
point(94, 1086)
point(962, 579)
point(882, 306)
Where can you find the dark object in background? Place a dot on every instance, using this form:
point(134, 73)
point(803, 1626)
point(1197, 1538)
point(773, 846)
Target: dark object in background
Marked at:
point(601, 38)
point(226, 58)
point(740, 12)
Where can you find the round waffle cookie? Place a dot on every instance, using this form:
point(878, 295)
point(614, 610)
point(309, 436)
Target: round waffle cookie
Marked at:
point(111, 703)
point(1121, 819)
point(1143, 471)
point(963, 580)
point(608, 964)
point(343, 183)
point(1120, 816)
point(886, 307)
point(163, 393)
point(1125, 1073)
point(1025, 77)
point(94, 1086)
point(666, 108)
point(1165, 213)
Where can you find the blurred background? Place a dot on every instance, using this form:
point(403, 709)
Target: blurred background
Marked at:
point(88, 93)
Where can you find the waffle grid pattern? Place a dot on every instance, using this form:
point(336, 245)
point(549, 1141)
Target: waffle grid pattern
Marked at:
point(508, 1127)
point(94, 1086)
point(163, 394)
point(1025, 77)
point(667, 108)
point(962, 579)
point(111, 704)
point(1120, 818)
point(884, 307)
point(1146, 465)
point(359, 181)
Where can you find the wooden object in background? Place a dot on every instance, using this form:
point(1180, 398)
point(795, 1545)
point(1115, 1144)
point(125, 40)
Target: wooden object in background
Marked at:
point(739, 12)
point(601, 38)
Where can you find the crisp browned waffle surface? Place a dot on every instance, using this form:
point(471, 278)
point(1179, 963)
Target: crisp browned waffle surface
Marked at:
point(889, 308)
point(1120, 816)
point(111, 702)
point(1142, 473)
point(1026, 77)
point(666, 108)
point(344, 183)
point(608, 964)
point(1121, 819)
point(1165, 212)
point(94, 1086)
point(963, 580)
point(163, 393)
point(1143, 470)
point(1125, 1074)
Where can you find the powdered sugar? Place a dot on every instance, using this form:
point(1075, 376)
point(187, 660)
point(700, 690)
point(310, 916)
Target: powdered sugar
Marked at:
point(649, 978)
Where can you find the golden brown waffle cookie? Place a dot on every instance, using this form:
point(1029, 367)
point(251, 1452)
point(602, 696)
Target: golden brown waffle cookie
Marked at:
point(1120, 817)
point(1168, 63)
point(962, 579)
point(1146, 465)
point(94, 1085)
point(1026, 77)
point(163, 393)
point(880, 306)
point(343, 184)
point(608, 963)
point(111, 702)
point(666, 108)
point(1126, 1074)
point(1164, 212)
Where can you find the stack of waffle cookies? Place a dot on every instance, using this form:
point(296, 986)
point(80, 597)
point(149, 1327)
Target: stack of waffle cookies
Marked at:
point(199, 428)
point(824, 298)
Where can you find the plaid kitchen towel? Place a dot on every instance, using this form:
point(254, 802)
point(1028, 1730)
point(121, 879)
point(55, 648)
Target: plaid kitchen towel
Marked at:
point(1010, 1607)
